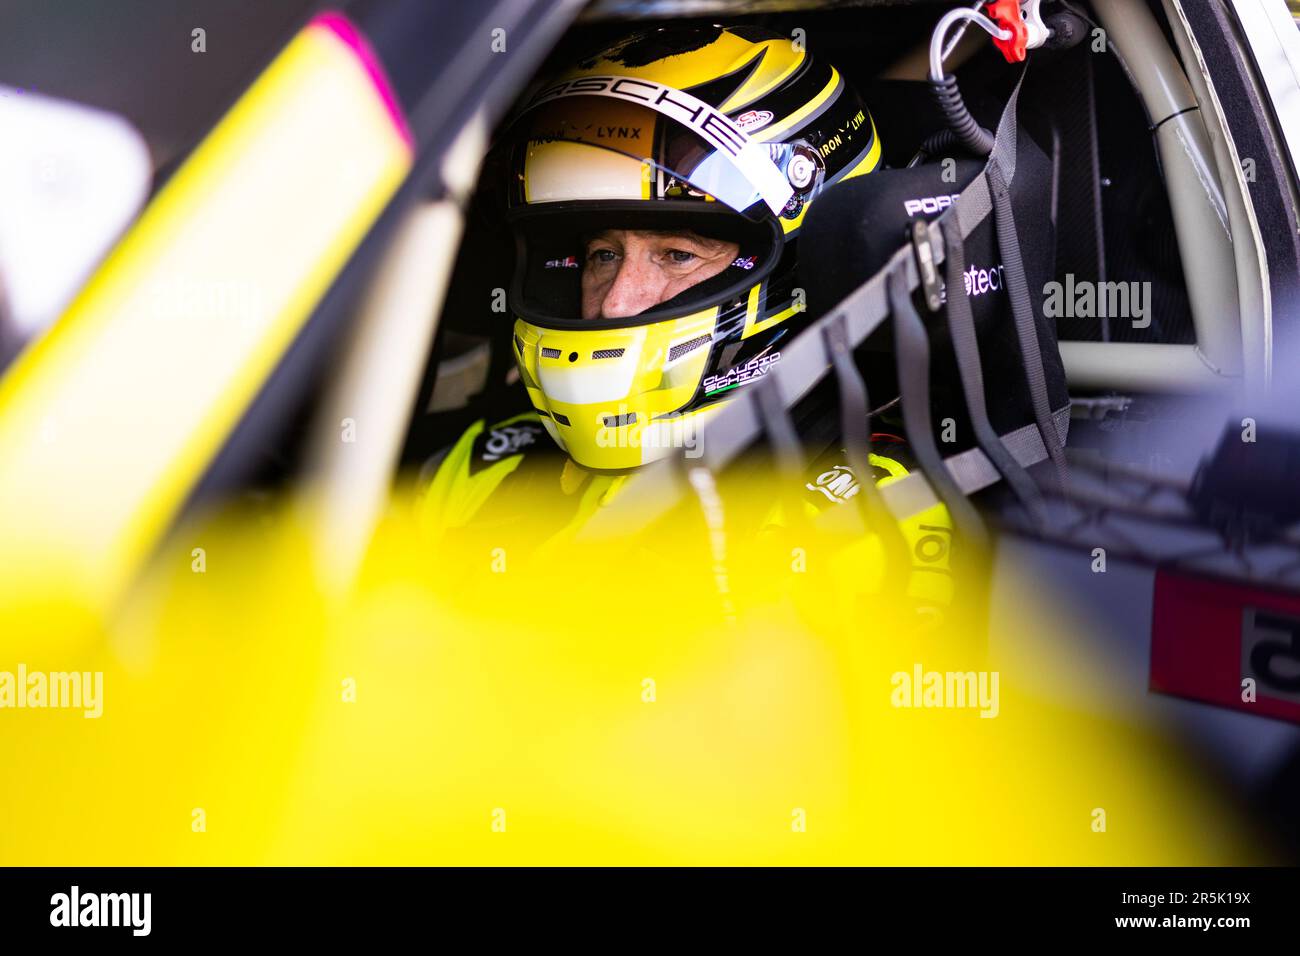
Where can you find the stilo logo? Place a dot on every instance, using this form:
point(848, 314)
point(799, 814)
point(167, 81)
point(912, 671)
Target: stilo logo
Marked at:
point(745, 262)
point(753, 119)
point(568, 262)
point(928, 205)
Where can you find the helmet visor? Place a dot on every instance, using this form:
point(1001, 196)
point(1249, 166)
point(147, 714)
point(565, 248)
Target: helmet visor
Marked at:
point(558, 249)
point(588, 146)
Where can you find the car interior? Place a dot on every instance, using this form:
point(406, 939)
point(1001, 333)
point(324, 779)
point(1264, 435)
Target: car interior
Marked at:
point(1106, 203)
point(1138, 167)
point(1142, 186)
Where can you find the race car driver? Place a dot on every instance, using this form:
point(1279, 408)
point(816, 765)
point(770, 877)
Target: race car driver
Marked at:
point(656, 194)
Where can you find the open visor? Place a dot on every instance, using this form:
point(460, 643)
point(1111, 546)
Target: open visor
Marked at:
point(588, 161)
point(551, 256)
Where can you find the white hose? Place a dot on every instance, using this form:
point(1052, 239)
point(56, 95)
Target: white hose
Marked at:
point(965, 16)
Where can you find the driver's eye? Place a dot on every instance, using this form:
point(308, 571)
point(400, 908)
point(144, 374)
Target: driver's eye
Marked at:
point(602, 255)
point(680, 255)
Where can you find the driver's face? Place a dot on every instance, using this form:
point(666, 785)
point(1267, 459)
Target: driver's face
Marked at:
point(626, 271)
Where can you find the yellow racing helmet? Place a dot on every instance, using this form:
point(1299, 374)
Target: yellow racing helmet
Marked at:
point(728, 132)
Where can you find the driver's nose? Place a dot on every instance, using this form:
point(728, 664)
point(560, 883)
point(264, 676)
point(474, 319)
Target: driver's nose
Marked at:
point(637, 287)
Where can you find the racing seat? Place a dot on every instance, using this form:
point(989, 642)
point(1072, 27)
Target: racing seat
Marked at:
point(975, 366)
point(1000, 349)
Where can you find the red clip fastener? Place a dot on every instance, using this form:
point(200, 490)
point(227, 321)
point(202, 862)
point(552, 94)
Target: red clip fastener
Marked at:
point(1007, 15)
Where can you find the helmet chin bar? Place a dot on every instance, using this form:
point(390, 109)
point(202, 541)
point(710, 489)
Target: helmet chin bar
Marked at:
point(617, 399)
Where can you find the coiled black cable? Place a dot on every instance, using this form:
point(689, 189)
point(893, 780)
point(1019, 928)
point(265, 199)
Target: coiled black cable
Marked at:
point(962, 129)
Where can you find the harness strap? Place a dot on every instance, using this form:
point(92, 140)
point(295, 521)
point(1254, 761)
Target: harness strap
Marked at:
point(1023, 312)
point(961, 326)
point(912, 352)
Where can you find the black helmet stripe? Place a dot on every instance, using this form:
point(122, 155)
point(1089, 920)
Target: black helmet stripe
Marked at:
point(796, 92)
point(829, 103)
point(717, 91)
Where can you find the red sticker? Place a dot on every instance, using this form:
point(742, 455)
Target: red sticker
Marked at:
point(1225, 644)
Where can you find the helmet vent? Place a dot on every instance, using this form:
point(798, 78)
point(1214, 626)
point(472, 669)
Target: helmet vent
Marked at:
point(681, 348)
point(607, 353)
point(550, 353)
point(619, 421)
point(519, 344)
point(562, 419)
